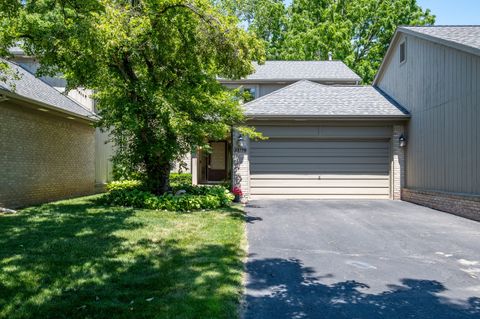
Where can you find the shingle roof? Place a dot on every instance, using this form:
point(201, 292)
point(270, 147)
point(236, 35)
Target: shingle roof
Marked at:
point(30, 87)
point(303, 70)
point(462, 37)
point(305, 98)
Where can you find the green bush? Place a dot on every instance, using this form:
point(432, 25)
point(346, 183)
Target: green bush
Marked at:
point(177, 179)
point(123, 185)
point(130, 194)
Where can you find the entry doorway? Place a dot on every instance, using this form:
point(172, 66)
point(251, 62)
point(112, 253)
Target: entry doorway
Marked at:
point(214, 165)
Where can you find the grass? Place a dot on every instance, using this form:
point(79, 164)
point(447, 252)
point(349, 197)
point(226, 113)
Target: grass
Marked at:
point(75, 259)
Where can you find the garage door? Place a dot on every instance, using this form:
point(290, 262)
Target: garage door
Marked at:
point(316, 168)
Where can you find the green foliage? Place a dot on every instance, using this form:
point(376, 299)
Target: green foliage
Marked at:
point(177, 179)
point(356, 32)
point(76, 259)
point(131, 194)
point(153, 65)
point(124, 185)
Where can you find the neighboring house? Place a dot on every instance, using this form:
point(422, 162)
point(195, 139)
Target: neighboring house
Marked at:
point(328, 137)
point(103, 150)
point(47, 143)
point(434, 72)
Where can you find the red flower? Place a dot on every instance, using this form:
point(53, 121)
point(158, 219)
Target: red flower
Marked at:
point(237, 191)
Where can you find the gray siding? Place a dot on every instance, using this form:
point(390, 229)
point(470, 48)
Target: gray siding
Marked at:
point(269, 88)
point(321, 162)
point(440, 86)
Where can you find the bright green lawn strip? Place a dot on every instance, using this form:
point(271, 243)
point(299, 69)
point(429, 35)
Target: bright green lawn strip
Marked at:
point(75, 259)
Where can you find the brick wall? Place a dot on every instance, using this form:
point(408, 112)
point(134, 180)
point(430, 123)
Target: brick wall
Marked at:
point(464, 205)
point(241, 166)
point(44, 157)
point(398, 162)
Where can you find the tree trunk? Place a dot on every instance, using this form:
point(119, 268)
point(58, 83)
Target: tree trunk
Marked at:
point(158, 176)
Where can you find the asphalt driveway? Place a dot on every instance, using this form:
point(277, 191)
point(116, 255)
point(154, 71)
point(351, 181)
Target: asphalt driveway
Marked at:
point(360, 259)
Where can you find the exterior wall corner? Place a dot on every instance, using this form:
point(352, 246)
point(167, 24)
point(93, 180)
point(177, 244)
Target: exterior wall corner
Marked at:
point(398, 163)
point(241, 165)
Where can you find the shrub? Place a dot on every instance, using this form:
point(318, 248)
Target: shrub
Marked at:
point(124, 185)
point(177, 179)
point(196, 197)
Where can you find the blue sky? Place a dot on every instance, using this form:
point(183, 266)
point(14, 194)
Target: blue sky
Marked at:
point(450, 11)
point(453, 11)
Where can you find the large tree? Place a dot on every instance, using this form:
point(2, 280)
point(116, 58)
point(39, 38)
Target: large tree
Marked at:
point(355, 31)
point(152, 63)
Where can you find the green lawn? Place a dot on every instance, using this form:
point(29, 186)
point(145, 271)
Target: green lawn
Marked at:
point(75, 259)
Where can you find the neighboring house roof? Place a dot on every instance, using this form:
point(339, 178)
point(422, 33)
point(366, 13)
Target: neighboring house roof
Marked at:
point(34, 89)
point(309, 99)
point(273, 71)
point(465, 38)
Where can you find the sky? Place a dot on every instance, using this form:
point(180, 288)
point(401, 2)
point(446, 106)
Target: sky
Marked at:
point(453, 11)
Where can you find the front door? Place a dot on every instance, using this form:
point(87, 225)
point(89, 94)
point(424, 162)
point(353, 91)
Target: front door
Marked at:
point(217, 162)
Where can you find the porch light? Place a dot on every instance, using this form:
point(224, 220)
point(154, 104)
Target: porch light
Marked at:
point(402, 141)
point(241, 142)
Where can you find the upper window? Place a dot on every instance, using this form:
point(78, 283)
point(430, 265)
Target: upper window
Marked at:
point(403, 52)
point(249, 94)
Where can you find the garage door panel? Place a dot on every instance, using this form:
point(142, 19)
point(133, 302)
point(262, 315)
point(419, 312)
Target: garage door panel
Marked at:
point(324, 168)
point(318, 191)
point(320, 160)
point(315, 144)
point(279, 152)
point(309, 168)
point(320, 196)
point(319, 183)
point(352, 176)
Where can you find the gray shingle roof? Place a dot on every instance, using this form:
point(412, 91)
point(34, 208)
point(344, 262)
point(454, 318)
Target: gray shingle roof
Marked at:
point(303, 70)
point(458, 36)
point(30, 87)
point(305, 98)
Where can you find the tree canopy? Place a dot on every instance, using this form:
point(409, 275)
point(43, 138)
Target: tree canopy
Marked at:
point(152, 63)
point(355, 31)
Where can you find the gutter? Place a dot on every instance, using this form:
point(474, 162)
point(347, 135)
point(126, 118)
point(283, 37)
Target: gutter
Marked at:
point(285, 81)
point(404, 117)
point(6, 95)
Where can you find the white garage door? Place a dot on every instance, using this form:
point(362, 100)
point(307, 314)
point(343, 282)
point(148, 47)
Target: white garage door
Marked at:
point(316, 168)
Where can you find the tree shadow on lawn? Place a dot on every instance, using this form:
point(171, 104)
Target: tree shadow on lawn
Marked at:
point(284, 288)
point(76, 261)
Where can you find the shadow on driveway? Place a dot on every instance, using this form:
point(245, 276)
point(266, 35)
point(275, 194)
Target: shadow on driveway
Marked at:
point(284, 288)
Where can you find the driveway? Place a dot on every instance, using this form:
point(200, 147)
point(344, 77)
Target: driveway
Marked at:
point(360, 259)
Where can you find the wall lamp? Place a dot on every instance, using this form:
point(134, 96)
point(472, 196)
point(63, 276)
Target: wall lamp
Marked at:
point(241, 142)
point(402, 141)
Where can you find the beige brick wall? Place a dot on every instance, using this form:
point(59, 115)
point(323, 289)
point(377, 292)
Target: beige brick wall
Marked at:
point(398, 163)
point(44, 156)
point(464, 205)
point(241, 167)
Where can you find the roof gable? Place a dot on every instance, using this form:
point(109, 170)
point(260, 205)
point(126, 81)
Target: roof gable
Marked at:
point(30, 87)
point(270, 71)
point(464, 38)
point(306, 98)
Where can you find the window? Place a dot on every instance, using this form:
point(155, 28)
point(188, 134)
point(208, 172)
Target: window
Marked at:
point(249, 94)
point(403, 53)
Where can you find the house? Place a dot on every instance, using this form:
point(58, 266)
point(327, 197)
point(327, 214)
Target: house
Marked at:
point(434, 72)
point(47, 142)
point(104, 150)
point(328, 136)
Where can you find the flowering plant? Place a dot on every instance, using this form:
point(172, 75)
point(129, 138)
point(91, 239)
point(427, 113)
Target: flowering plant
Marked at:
point(237, 191)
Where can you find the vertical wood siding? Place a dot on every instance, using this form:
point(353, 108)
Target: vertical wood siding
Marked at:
point(440, 86)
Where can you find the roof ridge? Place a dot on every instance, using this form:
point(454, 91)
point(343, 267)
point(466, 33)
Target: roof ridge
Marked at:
point(303, 61)
point(439, 26)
